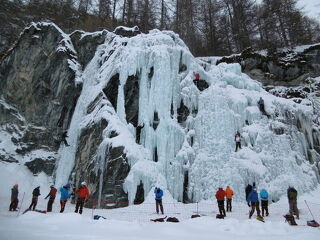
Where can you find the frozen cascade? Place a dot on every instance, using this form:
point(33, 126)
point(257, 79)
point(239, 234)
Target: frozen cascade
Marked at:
point(202, 146)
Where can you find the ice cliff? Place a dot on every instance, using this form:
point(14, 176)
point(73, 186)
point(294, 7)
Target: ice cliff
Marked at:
point(119, 80)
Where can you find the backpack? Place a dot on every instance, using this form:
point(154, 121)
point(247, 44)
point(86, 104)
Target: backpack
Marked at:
point(313, 223)
point(219, 216)
point(172, 219)
point(290, 220)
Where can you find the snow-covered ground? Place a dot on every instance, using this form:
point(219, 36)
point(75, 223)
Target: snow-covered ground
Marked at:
point(133, 222)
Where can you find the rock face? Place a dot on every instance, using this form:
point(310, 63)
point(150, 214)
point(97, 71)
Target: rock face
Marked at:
point(279, 68)
point(127, 32)
point(86, 45)
point(131, 92)
point(103, 169)
point(38, 92)
point(38, 165)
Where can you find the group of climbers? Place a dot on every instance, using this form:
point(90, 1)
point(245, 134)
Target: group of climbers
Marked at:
point(252, 198)
point(82, 196)
point(220, 196)
point(251, 194)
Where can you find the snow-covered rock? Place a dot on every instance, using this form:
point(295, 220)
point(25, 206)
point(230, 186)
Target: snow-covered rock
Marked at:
point(187, 142)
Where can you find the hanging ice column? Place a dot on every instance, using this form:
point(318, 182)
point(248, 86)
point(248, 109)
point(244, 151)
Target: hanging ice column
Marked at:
point(159, 92)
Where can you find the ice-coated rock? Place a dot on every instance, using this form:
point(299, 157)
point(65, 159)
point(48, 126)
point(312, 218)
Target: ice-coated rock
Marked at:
point(187, 142)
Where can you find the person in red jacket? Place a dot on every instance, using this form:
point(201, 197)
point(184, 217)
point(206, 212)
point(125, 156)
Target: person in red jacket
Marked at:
point(220, 195)
point(83, 195)
point(51, 196)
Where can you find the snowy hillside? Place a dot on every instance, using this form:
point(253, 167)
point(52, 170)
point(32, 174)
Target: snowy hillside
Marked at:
point(187, 143)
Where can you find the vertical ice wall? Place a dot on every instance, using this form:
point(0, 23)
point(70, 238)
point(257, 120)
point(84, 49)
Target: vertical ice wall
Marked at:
point(190, 157)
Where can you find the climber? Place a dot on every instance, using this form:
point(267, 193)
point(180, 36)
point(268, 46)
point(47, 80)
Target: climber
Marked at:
point(264, 202)
point(158, 197)
point(261, 106)
point(83, 196)
point(292, 198)
point(196, 79)
point(35, 195)
point(253, 198)
point(237, 139)
point(229, 195)
point(14, 198)
point(52, 196)
point(64, 196)
point(220, 195)
point(64, 136)
point(138, 132)
point(248, 191)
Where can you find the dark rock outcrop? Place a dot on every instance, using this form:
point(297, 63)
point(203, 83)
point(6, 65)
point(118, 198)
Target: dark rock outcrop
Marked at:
point(183, 113)
point(139, 194)
point(86, 45)
point(127, 32)
point(110, 163)
point(279, 68)
point(85, 160)
point(131, 95)
point(34, 72)
point(38, 92)
point(40, 165)
point(117, 169)
point(111, 90)
point(201, 84)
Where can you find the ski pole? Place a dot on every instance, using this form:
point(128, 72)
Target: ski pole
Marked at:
point(197, 209)
point(21, 204)
point(309, 209)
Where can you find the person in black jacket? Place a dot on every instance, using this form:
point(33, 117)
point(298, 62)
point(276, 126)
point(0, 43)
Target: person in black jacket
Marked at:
point(138, 132)
point(14, 198)
point(64, 136)
point(248, 191)
point(35, 195)
point(292, 198)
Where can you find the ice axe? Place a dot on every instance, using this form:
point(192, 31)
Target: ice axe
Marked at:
point(21, 204)
point(309, 210)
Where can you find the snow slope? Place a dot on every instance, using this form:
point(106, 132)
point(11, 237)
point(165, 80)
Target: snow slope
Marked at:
point(133, 222)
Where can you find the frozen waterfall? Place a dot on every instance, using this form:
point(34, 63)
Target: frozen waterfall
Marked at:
point(187, 143)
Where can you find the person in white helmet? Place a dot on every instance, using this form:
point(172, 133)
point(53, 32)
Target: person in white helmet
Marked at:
point(83, 195)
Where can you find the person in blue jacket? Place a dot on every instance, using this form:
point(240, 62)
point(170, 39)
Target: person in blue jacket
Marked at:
point(65, 195)
point(264, 202)
point(158, 197)
point(253, 198)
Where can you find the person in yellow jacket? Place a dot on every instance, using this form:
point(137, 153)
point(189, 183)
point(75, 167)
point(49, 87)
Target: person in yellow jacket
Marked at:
point(229, 195)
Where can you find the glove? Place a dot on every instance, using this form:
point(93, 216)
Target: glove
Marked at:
point(249, 205)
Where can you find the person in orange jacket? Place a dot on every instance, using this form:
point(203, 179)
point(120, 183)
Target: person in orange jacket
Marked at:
point(220, 195)
point(229, 195)
point(83, 195)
